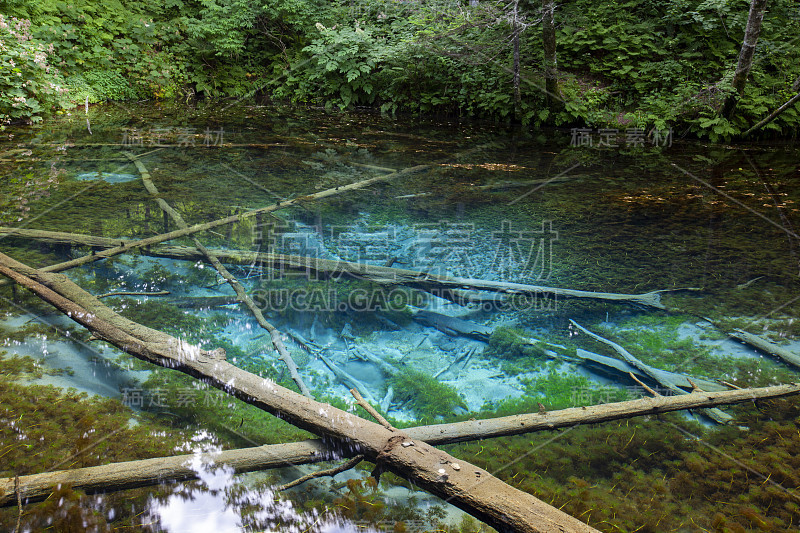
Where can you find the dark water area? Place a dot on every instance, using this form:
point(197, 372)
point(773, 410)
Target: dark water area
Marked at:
point(713, 226)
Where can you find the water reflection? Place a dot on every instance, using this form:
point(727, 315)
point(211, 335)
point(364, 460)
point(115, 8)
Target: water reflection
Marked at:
point(223, 505)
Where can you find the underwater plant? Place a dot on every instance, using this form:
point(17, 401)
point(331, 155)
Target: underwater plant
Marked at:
point(427, 397)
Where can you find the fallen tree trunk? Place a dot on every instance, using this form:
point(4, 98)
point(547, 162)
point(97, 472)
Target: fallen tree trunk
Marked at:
point(470, 488)
point(772, 116)
point(443, 286)
point(130, 474)
point(617, 367)
point(275, 336)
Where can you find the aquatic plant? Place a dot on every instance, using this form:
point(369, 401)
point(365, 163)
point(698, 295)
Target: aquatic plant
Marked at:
point(199, 406)
point(652, 475)
point(427, 397)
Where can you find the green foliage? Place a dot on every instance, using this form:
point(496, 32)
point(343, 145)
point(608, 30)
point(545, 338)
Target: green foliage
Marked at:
point(622, 64)
point(428, 398)
point(30, 85)
point(342, 61)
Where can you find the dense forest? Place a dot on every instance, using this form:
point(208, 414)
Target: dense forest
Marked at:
point(636, 64)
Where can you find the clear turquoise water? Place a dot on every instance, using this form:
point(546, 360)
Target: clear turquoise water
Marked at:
point(494, 203)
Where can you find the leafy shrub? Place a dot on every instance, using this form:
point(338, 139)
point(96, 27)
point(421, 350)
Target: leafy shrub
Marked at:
point(29, 85)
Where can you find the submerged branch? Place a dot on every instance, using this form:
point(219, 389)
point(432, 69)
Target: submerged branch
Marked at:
point(242, 295)
point(659, 377)
point(127, 246)
point(323, 473)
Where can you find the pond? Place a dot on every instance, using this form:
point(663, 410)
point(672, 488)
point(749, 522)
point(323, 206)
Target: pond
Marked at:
point(498, 217)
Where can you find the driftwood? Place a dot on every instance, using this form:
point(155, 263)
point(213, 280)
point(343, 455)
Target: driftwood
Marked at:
point(447, 287)
point(759, 343)
point(450, 325)
point(461, 361)
point(616, 367)
point(298, 201)
point(347, 379)
point(130, 474)
point(525, 183)
point(133, 293)
point(715, 414)
point(470, 488)
point(385, 366)
point(347, 465)
point(275, 335)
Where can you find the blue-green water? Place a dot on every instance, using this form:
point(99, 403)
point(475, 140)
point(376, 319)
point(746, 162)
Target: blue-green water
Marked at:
point(492, 203)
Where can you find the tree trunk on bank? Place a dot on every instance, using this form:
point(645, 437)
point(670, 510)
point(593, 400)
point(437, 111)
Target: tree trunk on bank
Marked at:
point(751, 32)
point(468, 487)
point(515, 40)
point(146, 472)
point(549, 45)
point(772, 116)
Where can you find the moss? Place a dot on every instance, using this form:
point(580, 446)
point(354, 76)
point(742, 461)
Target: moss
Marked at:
point(17, 366)
point(516, 352)
point(39, 329)
point(43, 426)
point(427, 397)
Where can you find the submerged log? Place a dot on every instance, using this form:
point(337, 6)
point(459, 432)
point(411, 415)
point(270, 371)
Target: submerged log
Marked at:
point(766, 346)
point(130, 474)
point(470, 488)
point(447, 287)
point(191, 230)
point(659, 377)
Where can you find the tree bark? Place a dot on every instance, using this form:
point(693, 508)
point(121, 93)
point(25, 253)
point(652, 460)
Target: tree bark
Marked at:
point(470, 488)
point(751, 32)
point(549, 45)
point(131, 474)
